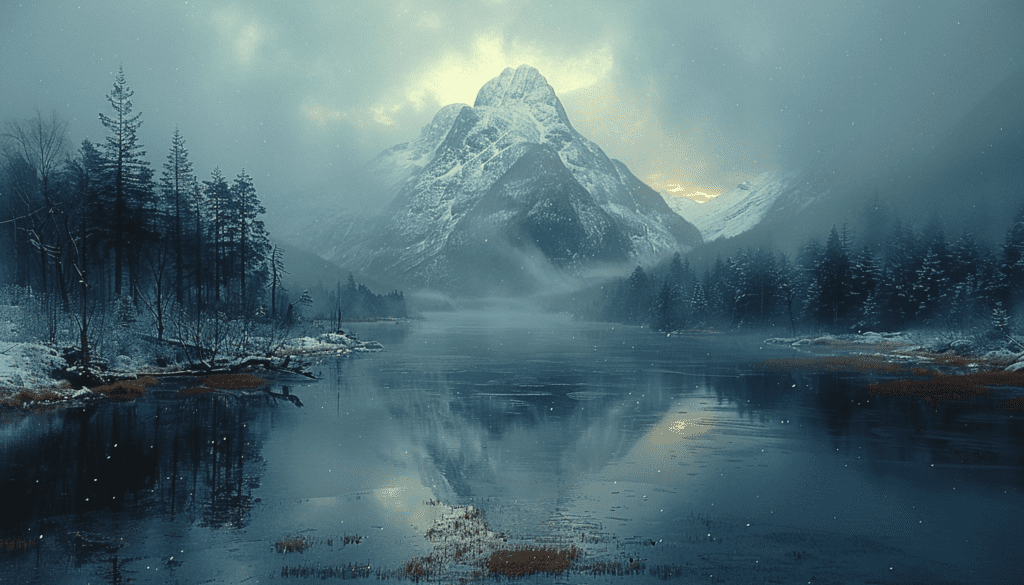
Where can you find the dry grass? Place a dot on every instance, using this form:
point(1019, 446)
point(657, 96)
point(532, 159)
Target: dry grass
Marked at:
point(25, 396)
point(942, 387)
point(233, 381)
point(843, 363)
point(947, 376)
point(16, 545)
point(292, 544)
point(126, 389)
point(521, 561)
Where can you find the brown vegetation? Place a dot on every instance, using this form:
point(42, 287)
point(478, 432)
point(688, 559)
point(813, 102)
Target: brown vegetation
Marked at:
point(843, 363)
point(31, 396)
point(948, 376)
point(15, 545)
point(126, 389)
point(292, 544)
point(233, 381)
point(520, 561)
point(941, 387)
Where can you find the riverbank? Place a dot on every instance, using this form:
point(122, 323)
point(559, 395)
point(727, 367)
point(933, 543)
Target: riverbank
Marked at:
point(35, 374)
point(919, 348)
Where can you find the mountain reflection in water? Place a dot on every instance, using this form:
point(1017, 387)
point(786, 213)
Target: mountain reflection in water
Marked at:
point(655, 457)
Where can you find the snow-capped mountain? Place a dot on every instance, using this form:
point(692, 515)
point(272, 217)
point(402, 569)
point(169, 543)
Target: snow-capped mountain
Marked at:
point(735, 211)
point(494, 192)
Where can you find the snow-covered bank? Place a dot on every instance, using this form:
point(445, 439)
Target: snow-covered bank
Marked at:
point(30, 373)
point(914, 346)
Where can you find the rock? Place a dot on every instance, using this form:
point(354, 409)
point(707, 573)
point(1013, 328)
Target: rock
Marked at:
point(962, 346)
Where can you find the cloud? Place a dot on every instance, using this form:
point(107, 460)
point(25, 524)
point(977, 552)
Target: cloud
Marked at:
point(458, 75)
point(244, 35)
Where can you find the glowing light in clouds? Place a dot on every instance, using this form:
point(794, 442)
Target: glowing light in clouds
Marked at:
point(459, 75)
point(244, 37)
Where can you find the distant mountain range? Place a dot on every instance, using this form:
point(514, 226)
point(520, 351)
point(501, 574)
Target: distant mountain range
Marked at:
point(735, 211)
point(494, 197)
point(973, 179)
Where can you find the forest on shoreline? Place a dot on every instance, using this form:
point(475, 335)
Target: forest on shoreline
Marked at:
point(906, 279)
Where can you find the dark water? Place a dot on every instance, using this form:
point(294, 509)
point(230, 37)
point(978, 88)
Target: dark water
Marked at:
point(656, 457)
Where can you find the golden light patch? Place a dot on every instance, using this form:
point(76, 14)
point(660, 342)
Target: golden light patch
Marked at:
point(402, 500)
point(459, 75)
point(674, 430)
point(678, 187)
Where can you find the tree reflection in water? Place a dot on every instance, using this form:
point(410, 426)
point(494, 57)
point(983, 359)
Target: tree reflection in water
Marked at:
point(82, 477)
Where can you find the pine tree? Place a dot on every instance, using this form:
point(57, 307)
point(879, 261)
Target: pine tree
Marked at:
point(930, 287)
point(217, 198)
point(639, 299)
point(1012, 265)
point(253, 241)
point(176, 184)
point(698, 305)
point(669, 308)
point(833, 278)
point(128, 172)
point(865, 274)
point(899, 272)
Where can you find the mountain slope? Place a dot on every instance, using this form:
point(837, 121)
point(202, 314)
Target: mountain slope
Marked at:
point(735, 211)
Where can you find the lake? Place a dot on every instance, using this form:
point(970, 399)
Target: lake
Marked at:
point(641, 456)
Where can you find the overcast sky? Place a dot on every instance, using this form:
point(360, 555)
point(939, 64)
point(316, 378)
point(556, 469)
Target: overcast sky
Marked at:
point(696, 94)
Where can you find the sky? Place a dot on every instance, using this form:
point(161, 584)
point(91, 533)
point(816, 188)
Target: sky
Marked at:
point(693, 96)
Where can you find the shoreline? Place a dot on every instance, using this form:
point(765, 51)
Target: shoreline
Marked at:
point(36, 375)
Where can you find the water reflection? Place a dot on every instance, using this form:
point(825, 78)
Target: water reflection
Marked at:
point(75, 479)
point(665, 455)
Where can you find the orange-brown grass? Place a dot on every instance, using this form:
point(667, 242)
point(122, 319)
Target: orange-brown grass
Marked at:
point(233, 381)
point(126, 389)
point(292, 544)
point(18, 400)
point(521, 561)
point(196, 391)
point(15, 545)
point(943, 387)
point(417, 568)
point(842, 363)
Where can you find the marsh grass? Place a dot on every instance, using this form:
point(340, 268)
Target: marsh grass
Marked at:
point(16, 544)
point(290, 544)
point(934, 378)
point(941, 387)
point(526, 560)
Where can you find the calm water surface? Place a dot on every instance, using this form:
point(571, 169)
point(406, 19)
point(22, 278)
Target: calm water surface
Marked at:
point(673, 457)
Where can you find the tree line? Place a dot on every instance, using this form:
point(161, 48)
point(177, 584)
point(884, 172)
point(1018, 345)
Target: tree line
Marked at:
point(908, 279)
point(95, 227)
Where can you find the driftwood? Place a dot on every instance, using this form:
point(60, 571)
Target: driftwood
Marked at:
point(206, 368)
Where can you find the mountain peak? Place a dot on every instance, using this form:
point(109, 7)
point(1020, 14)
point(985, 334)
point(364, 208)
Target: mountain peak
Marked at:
point(523, 84)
